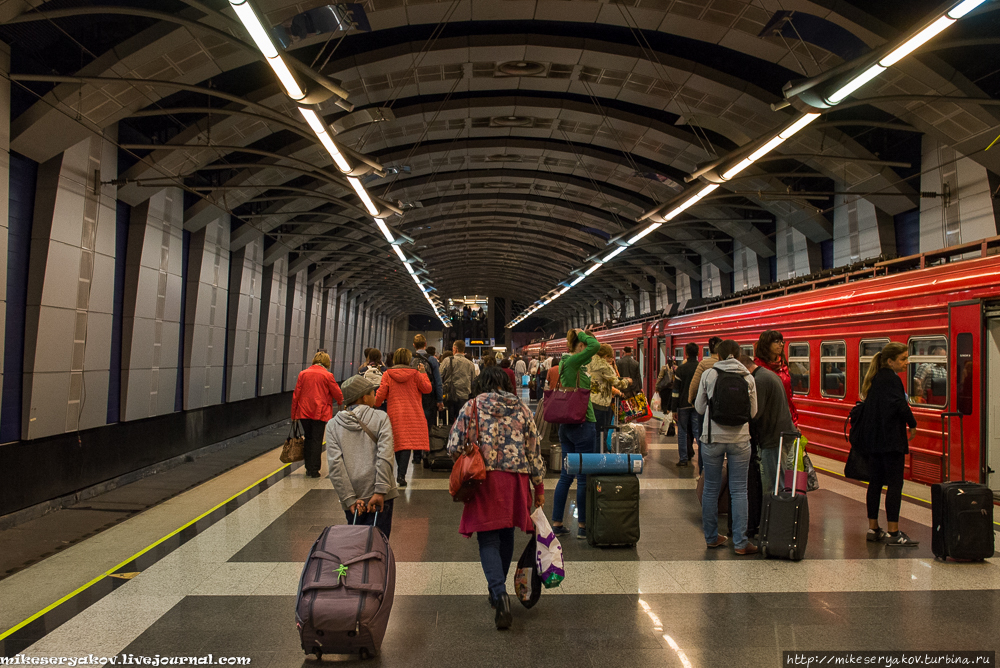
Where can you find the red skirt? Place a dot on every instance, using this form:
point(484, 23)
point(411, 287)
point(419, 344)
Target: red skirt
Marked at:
point(502, 501)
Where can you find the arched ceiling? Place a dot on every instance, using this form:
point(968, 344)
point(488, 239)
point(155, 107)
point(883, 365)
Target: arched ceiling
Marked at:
point(518, 136)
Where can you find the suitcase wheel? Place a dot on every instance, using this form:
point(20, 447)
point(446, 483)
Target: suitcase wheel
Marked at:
point(763, 551)
point(318, 653)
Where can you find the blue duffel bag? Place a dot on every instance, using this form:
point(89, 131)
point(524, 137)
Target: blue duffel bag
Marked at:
point(603, 462)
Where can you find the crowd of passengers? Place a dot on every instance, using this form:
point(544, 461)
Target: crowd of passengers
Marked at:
point(387, 413)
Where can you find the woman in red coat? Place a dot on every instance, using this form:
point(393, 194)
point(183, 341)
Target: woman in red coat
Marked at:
point(316, 391)
point(402, 386)
point(770, 354)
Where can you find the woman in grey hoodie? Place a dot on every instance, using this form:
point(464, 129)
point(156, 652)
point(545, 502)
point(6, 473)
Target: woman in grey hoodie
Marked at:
point(729, 440)
point(360, 456)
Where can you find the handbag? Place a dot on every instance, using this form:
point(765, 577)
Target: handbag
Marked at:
point(294, 448)
point(636, 409)
point(858, 466)
point(549, 554)
point(527, 582)
point(567, 405)
point(469, 469)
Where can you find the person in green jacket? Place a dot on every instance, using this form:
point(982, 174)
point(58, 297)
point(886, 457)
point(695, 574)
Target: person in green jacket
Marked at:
point(575, 438)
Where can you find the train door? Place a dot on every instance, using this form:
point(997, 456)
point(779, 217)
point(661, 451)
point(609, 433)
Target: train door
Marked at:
point(966, 337)
point(992, 389)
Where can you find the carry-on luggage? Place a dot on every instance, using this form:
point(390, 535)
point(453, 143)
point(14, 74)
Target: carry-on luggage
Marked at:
point(784, 518)
point(346, 592)
point(438, 458)
point(612, 508)
point(725, 502)
point(555, 458)
point(961, 511)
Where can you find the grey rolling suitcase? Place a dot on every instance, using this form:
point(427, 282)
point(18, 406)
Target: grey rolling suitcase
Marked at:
point(346, 592)
point(784, 518)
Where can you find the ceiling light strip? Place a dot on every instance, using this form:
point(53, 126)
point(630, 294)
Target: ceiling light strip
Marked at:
point(259, 34)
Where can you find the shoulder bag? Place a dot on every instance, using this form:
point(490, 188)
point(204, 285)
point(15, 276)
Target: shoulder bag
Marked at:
point(469, 469)
point(294, 448)
point(567, 405)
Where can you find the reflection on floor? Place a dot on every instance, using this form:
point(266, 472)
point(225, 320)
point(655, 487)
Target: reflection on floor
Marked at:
point(668, 601)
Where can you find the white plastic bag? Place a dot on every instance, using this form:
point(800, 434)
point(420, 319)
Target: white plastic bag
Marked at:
point(551, 566)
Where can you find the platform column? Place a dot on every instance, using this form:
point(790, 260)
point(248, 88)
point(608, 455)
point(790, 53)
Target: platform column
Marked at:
point(797, 255)
point(246, 273)
point(295, 328)
point(205, 314)
point(966, 211)
point(4, 192)
point(152, 306)
point(273, 302)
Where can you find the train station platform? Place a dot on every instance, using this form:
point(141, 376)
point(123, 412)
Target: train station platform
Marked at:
point(215, 569)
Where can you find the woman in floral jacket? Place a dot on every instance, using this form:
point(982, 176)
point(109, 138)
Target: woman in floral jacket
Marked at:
point(508, 441)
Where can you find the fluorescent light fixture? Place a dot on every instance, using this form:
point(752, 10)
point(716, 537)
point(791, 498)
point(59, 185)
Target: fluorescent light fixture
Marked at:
point(319, 127)
point(743, 164)
point(592, 269)
point(798, 125)
point(615, 253)
point(285, 77)
point(964, 8)
point(577, 281)
point(694, 199)
point(256, 29)
point(564, 291)
point(915, 42)
point(775, 142)
point(857, 82)
point(646, 231)
point(363, 194)
point(399, 253)
point(409, 269)
point(385, 229)
point(416, 279)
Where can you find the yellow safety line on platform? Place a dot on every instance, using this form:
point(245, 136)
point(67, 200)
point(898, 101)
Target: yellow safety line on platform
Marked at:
point(134, 556)
point(841, 475)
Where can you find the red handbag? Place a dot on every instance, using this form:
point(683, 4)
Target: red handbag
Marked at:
point(567, 405)
point(469, 469)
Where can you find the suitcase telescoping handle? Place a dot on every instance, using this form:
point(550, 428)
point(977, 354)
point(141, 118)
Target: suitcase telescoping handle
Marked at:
point(798, 444)
point(946, 440)
point(447, 417)
point(355, 521)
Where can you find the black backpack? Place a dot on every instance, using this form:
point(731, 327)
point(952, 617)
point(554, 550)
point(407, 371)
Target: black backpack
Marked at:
point(419, 358)
point(730, 403)
point(854, 421)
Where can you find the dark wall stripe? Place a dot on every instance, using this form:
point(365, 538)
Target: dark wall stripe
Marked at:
point(32, 472)
point(907, 227)
point(23, 176)
point(185, 255)
point(122, 218)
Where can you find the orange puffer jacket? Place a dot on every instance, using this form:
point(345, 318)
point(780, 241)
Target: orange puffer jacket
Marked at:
point(401, 387)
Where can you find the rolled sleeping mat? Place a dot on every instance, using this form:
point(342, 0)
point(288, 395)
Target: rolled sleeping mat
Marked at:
point(603, 462)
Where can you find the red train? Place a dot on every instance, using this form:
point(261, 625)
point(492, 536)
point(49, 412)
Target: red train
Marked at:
point(948, 314)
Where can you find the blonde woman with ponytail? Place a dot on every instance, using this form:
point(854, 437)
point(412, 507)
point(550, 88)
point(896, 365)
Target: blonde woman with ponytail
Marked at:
point(887, 425)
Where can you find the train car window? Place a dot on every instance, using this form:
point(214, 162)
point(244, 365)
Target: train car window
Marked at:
point(868, 349)
point(928, 371)
point(747, 350)
point(833, 368)
point(679, 354)
point(798, 367)
point(705, 353)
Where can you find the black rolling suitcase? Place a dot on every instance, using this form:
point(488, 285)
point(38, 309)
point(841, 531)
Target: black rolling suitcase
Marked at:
point(438, 458)
point(755, 495)
point(784, 518)
point(612, 508)
point(961, 512)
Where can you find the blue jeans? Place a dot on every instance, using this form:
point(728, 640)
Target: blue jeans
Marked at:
point(688, 422)
point(574, 438)
point(496, 549)
point(738, 457)
point(768, 469)
point(382, 520)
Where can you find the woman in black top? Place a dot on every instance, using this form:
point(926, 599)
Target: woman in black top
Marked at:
point(887, 425)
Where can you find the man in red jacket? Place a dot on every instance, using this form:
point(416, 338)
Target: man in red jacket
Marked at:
point(316, 391)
